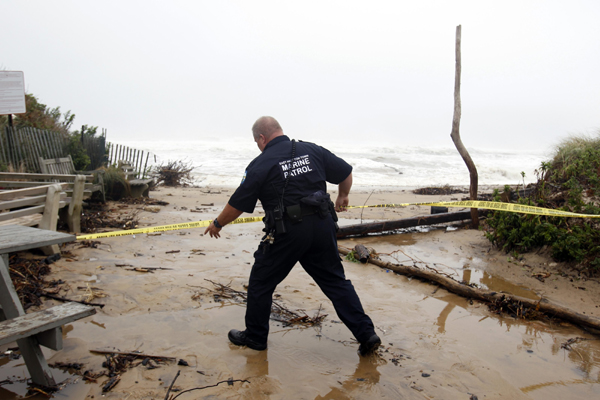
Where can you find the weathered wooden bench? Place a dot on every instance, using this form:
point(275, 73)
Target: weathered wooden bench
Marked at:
point(33, 206)
point(74, 187)
point(40, 327)
point(64, 166)
point(139, 187)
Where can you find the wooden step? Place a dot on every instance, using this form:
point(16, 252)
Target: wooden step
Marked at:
point(41, 321)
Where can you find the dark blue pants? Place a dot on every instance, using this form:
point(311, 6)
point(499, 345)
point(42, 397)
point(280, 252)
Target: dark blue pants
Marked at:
point(313, 243)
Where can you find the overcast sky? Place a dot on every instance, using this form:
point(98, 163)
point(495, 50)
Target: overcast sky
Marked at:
point(376, 71)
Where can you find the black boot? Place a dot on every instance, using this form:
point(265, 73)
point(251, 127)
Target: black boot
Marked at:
point(369, 346)
point(239, 338)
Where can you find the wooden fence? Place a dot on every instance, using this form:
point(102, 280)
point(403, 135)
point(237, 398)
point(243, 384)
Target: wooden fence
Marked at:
point(95, 148)
point(138, 159)
point(21, 148)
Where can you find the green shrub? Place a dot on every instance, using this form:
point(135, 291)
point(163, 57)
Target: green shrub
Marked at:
point(570, 182)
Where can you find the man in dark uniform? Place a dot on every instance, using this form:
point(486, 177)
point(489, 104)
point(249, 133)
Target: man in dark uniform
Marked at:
point(289, 178)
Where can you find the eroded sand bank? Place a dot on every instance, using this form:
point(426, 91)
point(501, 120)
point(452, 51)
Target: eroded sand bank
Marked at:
point(435, 344)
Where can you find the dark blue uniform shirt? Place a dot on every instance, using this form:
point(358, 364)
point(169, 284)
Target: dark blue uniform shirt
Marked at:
point(308, 172)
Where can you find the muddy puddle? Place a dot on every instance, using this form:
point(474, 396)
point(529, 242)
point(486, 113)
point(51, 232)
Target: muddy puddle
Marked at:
point(435, 344)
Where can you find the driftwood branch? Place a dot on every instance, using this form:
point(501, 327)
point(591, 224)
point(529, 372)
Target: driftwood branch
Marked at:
point(363, 229)
point(52, 296)
point(543, 306)
point(130, 353)
point(229, 382)
point(172, 383)
point(455, 135)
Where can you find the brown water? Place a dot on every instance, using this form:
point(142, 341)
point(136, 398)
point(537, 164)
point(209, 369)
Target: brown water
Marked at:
point(435, 344)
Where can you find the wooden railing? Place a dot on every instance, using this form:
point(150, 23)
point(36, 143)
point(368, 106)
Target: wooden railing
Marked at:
point(137, 159)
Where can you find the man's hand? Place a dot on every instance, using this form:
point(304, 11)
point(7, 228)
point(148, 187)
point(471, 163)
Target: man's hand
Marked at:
point(343, 200)
point(227, 215)
point(213, 231)
point(341, 203)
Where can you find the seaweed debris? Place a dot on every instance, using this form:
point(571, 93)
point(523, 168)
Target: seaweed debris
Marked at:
point(27, 276)
point(98, 216)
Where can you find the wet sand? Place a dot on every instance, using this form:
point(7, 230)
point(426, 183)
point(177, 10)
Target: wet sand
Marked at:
point(435, 344)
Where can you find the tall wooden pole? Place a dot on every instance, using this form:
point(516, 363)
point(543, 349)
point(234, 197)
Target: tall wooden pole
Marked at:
point(455, 135)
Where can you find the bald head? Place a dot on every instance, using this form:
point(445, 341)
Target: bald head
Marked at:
point(267, 127)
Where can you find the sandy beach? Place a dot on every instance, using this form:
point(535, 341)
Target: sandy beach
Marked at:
point(436, 345)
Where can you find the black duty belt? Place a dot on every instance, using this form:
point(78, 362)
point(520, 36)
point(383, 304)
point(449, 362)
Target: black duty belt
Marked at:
point(297, 211)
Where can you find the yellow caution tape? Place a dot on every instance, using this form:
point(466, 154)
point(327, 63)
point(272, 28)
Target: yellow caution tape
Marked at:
point(489, 205)
point(163, 228)
point(492, 205)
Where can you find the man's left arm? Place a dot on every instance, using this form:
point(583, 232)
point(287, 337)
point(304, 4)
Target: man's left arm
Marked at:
point(228, 214)
point(343, 198)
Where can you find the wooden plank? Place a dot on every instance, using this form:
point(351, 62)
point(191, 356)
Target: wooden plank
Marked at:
point(11, 146)
point(145, 166)
point(61, 177)
point(35, 361)
point(31, 184)
point(41, 177)
point(41, 321)
point(3, 146)
point(28, 220)
point(44, 149)
point(52, 339)
point(7, 216)
point(22, 202)
point(18, 238)
point(18, 193)
point(33, 191)
point(37, 150)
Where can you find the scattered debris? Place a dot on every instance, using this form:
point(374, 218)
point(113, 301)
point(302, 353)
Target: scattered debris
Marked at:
point(27, 278)
point(100, 216)
point(92, 293)
point(116, 364)
point(147, 269)
point(567, 345)
point(541, 276)
point(441, 190)
point(143, 200)
point(93, 244)
point(514, 308)
point(278, 311)
point(173, 173)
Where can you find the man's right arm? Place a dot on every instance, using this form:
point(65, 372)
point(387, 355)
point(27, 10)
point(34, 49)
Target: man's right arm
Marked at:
point(228, 214)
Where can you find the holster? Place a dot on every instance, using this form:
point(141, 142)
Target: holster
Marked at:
point(273, 221)
point(322, 203)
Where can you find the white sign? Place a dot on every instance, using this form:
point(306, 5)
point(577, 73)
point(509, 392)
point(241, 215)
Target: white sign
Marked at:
point(12, 92)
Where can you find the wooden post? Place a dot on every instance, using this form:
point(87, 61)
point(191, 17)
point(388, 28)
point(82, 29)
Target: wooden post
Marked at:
point(455, 135)
point(76, 205)
point(145, 166)
point(50, 217)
